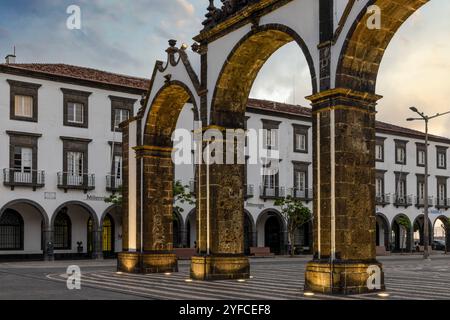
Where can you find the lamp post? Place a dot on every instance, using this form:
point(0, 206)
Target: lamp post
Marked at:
point(423, 117)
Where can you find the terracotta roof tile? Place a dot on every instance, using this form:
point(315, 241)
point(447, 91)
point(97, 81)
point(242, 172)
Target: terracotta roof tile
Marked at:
point(306, 112)
point(83, 73)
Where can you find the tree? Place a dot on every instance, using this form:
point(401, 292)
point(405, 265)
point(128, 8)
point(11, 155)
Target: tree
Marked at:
point(446, 227)
point(295, 214)
point(405, 223)
point(181, 195)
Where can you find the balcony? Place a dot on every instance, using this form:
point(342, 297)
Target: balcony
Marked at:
point(249, 191)
point(442, 204)
point(383, 199)
point(67, 181)
point(113, 183)
point(267, 193)
point(301, 194)
point(420, 202)
point(17, 178)
point(403, 201)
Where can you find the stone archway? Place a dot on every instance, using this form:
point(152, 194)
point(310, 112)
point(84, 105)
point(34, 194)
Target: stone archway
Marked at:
point(344, 58)
point(383, 232)
point(441, 230)
point(363, 48)
point(418, 231)
point(154, 160)
point(249, 232)
point(33, 213)
point(401, 234)
point(78, 234)
point(226, 245)
point(271, 231)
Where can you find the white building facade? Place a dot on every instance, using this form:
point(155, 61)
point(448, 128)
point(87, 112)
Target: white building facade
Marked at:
point(64, 158)
point(61, 157)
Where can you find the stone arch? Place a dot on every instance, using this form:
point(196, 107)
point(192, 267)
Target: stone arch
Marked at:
point(83, 205)
point(267, 240)
point(31, 203)
point(249, 232)
point(242, 67)
point(401, 242)
point(363, 48)
point(178, 230)
point(383, 238)
point(190, 225)
point(158, 168)
point(419, 225)
point(108, 210)
point(442, 219)
point(164, 113)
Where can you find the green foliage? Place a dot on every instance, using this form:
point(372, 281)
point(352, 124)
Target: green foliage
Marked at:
point(181, 195)
point(115, 199)
point(295, 215)
point(404, 222)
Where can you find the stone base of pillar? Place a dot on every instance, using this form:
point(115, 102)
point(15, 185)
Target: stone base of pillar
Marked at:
point(213, 267)
point(144, 263)
point(344, 277)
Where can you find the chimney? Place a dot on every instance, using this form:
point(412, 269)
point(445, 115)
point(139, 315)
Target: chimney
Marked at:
point(10, 59)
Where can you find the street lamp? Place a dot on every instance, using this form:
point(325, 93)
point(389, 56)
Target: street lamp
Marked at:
point(423, 117)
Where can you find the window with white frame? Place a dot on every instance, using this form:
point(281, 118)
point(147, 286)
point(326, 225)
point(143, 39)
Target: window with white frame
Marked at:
point(379, 152)
point(379, 187)
point(75, 113)
point(442, 191)
point(270, 138)
point(120, 115)
point(421, 190)
point(75, 163)
point(441, 158)
point(400, 155)
point(23, 106)
point(421, 157)
point(300, 142)
point(23, 160)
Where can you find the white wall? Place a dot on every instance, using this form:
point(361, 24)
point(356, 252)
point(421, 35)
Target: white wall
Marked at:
point(50, 147)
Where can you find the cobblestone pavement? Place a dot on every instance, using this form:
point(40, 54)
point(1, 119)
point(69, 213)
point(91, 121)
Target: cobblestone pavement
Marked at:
point(407, 277)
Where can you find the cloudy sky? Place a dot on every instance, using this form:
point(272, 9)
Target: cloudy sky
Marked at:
point(127, 36)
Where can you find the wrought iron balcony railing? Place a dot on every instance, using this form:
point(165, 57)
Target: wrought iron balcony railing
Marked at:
point(420, 201)
point(272, 192)
point(68, 181)
point(19, 178)
point(403, 200)
point(442, 203)
point(383, 199)
point(113, 183)
point(301, 194)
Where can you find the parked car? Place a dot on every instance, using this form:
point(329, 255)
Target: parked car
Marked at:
point(438, 245)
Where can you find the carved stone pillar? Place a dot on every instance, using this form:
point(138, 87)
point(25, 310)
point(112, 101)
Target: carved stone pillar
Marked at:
point(220, 223)
point(344, 193)
point(157, 254)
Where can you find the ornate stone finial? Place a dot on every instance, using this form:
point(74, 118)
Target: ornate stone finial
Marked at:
point(195, 47)
point(210, 14)
point(172, 43)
